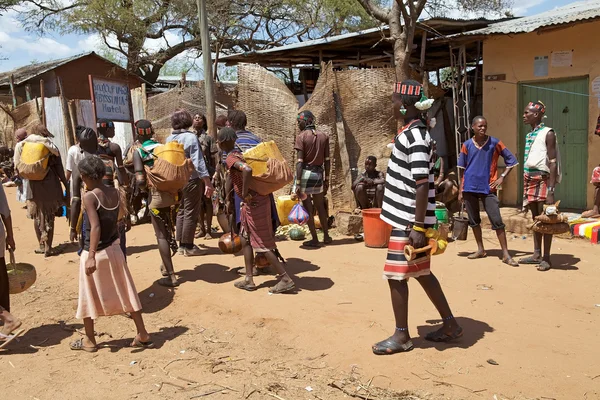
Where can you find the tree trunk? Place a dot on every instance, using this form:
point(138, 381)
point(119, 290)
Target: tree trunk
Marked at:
point(399, 35)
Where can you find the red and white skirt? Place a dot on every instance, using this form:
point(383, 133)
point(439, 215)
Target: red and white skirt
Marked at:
point(396, 265)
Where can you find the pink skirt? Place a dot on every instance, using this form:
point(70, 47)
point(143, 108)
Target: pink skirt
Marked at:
point(110, 289)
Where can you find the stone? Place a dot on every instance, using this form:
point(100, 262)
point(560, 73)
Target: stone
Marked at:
point(348, 224)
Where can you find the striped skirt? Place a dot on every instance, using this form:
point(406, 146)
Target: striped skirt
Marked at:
point(396, 266)
point(535, 187)
point(257, 225)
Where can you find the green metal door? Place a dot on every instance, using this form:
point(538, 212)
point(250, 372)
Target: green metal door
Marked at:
point(567, 107)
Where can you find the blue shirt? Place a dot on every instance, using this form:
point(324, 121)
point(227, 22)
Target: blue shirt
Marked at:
point(481, 164)
point(245, 141)
point(192, 149)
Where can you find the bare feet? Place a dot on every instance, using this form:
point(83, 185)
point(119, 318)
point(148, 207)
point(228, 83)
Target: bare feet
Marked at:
point(477, 254)
point(11, 323)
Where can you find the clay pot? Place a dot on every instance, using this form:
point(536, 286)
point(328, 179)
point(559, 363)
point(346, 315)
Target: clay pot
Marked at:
point(260, 260)
point(230, 243)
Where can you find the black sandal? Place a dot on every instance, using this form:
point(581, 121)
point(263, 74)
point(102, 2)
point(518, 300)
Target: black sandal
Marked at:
point(311, 244)
point(440, 336)
point(530, 261)
point(388, 347)
point(167, 282)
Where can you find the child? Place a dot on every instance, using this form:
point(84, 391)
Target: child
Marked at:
point(256, 228)
point(105, 284)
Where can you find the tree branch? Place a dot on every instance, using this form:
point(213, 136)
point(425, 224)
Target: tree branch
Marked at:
point(375, 11)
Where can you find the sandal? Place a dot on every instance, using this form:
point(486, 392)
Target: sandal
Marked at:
point(544, 266)
point(510, 261)
point(9, 338)
point(282, 287)
point(78, 345)
point(311, 244)
point(477, 255)
point(440, 336)
point(328, 240)
point(41, 250)
point(167, 282)
point(388, 347)
point(137, 343)
point(244, 285)
point(530, 261)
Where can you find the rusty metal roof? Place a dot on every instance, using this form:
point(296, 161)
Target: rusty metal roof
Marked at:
point(586, 10)
point(28, 72)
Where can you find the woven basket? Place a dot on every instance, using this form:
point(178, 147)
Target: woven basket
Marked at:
point(20, 275)
point(551, 229)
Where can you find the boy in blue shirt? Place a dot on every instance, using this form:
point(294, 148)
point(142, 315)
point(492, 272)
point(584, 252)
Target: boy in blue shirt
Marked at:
point(479, 160)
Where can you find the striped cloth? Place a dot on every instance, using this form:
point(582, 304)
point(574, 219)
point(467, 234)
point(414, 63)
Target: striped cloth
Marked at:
point(257, 226)
point(410, 162)
point(535, 187)
point(396, 266)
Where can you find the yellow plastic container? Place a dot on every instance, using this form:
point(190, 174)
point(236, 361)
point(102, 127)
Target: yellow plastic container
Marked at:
point(284, 207)
point(172, 152)
point(34, 152)
point(257, 157)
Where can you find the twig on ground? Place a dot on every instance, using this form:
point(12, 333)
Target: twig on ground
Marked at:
point(171, 384)
point(349, 393)
point(274, 395)
point(207, 339)
point(29, 302)
point(317, 357)
point(597, 376)
point(251, 393)
point(421, 378)
point(431, 373)
point(206, 394)
point(12, 365)
point(172, 361)
point(460, 386)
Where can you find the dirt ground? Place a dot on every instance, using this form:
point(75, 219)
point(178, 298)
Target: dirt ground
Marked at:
point(528, 335)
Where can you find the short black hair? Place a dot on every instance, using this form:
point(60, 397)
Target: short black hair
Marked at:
point(477, 118)
point(181, 119)
point(88, 139)
point(227, 135)
point(237, 119)
point(92, 167)
point(78, 130)
point(373, 159)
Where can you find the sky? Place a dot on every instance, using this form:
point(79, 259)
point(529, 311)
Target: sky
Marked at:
point(19, 48)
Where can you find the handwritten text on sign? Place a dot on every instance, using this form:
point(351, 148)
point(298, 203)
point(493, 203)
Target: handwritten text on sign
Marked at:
point(112, 100)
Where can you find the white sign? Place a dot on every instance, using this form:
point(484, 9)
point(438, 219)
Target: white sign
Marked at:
point(562, 58)
point(540, 66)
point(112, 100)
point(596, 85)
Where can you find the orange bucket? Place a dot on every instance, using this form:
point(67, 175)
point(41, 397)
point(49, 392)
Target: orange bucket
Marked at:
point(376, 232)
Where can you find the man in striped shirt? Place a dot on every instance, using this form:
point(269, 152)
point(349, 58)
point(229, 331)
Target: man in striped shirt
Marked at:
point(409, 207)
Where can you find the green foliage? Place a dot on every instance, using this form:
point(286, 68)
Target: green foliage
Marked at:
point(149, 33)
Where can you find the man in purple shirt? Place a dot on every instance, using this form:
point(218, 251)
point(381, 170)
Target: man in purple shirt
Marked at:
point(479, 160)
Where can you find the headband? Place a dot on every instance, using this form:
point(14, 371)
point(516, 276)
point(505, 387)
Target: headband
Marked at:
point(105, 124)
point(408, 89)
point(538, 105)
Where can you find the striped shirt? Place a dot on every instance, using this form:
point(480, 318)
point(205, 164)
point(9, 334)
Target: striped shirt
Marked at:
point(411, 161)
point(529, 139)
point(246, 140)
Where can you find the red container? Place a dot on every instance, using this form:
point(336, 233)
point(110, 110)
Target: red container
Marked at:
point(595, 236)
point(376, 232)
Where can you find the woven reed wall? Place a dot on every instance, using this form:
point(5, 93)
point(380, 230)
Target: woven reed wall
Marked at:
point(191, 98)
point(270, 107)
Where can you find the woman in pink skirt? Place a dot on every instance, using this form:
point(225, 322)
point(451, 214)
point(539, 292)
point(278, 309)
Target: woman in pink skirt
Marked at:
point(105, 284)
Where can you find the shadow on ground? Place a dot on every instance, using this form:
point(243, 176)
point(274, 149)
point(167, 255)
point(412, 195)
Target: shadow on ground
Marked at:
point(473, 332)
point(40, 337)
point(158, 338)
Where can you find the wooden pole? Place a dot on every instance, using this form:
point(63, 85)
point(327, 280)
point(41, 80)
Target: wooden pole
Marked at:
point(144, 102)
point(423, 46)
point(42, 93)
point(28, 92)
point(12, 91)
point(208, 76)
point(69, 131)
point(292, 83)
point(73, 114)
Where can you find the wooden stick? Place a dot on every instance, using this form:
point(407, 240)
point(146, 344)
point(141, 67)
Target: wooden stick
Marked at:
point(410, 252)
point(43, 111)
point(12, 90)
point(144, 102)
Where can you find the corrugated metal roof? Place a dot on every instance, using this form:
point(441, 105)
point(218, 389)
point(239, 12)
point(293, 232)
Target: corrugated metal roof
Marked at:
point(579, 11)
